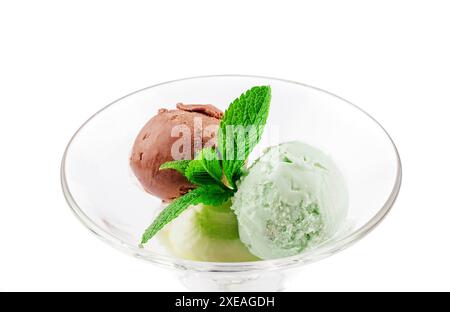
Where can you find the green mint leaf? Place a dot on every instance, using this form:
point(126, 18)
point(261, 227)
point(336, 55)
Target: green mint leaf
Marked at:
point(178, 165)
point(211, 163)
point(197, 174)
point(214, 195)
point(208, 195)
point(171, 212)
point(241, 129)
point(205, 169)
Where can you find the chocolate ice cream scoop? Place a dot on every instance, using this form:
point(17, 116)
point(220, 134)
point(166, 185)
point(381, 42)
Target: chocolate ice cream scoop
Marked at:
point(172, 135)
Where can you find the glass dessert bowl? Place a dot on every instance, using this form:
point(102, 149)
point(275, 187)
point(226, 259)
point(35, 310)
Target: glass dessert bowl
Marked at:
point(103, 192)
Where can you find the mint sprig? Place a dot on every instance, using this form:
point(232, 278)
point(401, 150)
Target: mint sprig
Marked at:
point(197, 173)
point(215, 171)
point(211, 163)
point(246, 115)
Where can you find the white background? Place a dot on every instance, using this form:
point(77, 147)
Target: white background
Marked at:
point(61, 61)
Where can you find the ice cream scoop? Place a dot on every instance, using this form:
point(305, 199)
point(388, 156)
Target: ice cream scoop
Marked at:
point(292, 198)
point(172, 135)
point(206, 233)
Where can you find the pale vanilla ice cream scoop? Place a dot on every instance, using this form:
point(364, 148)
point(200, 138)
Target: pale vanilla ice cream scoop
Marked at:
point(206, 233)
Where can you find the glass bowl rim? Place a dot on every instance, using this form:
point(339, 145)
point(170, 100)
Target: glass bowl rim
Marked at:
point(309, 256)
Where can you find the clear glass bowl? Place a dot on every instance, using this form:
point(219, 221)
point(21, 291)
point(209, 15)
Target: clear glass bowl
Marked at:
point(103, 193)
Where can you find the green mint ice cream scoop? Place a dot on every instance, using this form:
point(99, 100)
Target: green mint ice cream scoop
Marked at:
point(291, 199)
